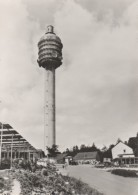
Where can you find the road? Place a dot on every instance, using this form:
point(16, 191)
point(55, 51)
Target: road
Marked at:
point(104, 181)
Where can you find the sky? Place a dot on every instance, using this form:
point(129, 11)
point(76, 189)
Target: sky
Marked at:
point(97, 85)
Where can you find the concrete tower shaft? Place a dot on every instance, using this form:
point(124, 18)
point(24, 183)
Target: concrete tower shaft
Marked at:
point(50, 58)
point(50, 107)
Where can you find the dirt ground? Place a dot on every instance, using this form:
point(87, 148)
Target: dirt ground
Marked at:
point(15, 185)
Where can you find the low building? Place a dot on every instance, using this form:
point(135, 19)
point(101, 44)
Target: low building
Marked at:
point(60, 158)
point(107, 161)
point(39, 154)
point(14, 146)
point(68, 159)
point(87, 157)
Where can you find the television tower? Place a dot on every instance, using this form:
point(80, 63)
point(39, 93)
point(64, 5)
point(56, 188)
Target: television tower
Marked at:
point(50, 58)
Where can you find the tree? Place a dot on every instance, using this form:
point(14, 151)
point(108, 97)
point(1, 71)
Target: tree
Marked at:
point(104, 149)
point(94, 148)
point(106, 152)
point(133, 142)
point(118, 140)
point(82, 148)
point(75, 148)
point(52, 152)
point(67, 151)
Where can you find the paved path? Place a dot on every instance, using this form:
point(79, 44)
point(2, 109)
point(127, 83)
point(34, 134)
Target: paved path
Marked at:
point(104, 181)
point(16, 189)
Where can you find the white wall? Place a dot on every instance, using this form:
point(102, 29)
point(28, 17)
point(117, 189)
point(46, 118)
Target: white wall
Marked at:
point(121, 148)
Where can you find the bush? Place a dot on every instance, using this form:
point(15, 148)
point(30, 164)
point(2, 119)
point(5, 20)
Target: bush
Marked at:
point(5, 164)
point(44, 172)
point(124, 172)
point(1, 182)
point(5, 185)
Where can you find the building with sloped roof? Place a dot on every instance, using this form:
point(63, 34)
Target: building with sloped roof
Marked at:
point(123, 154)
point(121, 150)
point(87, 157)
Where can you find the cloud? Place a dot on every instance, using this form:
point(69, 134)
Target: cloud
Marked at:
point(107, 11)
point(96, 87)
point(19, 73)
point(102, 75)
point(42, 11)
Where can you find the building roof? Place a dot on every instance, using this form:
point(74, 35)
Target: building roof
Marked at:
point(86, 155)
point(5, 126)
point(121, 143)
point(11, 138)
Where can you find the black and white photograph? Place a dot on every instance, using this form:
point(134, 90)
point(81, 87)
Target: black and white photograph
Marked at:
point(68, 97)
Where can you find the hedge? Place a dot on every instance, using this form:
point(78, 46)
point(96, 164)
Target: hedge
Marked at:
point(124, 172)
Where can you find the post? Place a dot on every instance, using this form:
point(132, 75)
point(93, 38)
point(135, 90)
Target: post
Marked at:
point(8, 153)
point(15, 154)
point(28, 154)
point(11, 150)
point(47, 148)
point(125, 161)
point(1, 143)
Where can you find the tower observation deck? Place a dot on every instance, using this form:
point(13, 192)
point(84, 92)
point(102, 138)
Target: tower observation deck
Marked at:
point(50, 58)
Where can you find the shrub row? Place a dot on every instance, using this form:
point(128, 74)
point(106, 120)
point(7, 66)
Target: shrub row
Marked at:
point(124, 172)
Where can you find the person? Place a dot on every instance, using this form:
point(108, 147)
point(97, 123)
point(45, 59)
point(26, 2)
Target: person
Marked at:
point(65, 165)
